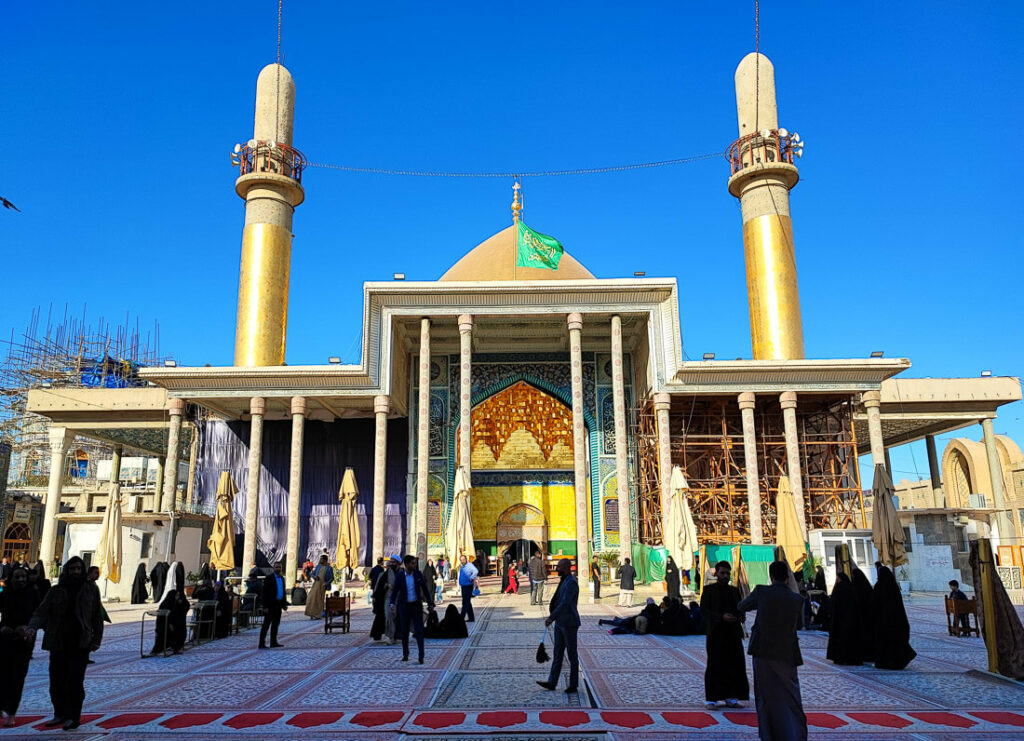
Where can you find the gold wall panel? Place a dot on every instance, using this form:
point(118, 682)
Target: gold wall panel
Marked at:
point(776, 328)
point(263, 295)
point(521, 428)
point(556, 501)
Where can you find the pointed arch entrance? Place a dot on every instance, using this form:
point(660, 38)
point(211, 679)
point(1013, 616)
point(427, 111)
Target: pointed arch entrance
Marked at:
point(522, 451)
point(521, 529)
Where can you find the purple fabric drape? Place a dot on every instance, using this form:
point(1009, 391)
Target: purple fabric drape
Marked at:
point(329, 448)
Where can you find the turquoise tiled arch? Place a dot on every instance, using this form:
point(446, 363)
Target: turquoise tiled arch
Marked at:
point(552, 390)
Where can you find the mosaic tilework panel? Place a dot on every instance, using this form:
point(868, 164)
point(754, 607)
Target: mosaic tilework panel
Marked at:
point(611, 658)
point(218, 691)
point(363, 689)
point(501, 659)
point(952, 688)
point(492, 690)
point(635, 689)
point(434, 657)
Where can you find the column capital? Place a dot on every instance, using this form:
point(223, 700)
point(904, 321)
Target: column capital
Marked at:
point(662, 400)
point(60, 439)
point(788, 399)
point(176, 406)
point(299, 405)
point(258, 405)
point(575, 321)
point(747, 400)
point(382, 404)
point(871, 399)
point(465, 322)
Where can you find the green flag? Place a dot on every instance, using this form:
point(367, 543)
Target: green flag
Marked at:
point(536, 250)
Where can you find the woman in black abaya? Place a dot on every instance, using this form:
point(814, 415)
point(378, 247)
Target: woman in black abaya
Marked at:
point(866, 610)
point(177, 605)
point(671, 579)
point(892, 629)
point(844, 637)
point(139, 592)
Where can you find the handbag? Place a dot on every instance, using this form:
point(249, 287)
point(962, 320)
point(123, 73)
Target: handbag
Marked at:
point(476, 591)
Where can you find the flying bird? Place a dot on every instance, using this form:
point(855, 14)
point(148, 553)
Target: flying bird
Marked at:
point(8, 204)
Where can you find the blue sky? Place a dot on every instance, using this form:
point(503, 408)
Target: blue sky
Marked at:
point(118, 118)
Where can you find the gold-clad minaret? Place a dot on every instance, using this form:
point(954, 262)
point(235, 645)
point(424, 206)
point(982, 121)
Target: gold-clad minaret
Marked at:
point(762, 175)
point(270, 182)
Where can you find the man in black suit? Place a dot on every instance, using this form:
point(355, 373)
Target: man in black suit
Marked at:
point(566, 618)
point(273, 602)
point(776, 651)
point(407, 599)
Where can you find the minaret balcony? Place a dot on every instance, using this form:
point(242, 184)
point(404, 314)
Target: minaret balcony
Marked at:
point(770, 152)
point(269, 164)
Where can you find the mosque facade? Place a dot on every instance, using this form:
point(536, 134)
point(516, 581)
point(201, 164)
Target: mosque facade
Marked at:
point(564, 397)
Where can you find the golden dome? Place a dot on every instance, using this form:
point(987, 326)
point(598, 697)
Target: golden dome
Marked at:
point(495, 259)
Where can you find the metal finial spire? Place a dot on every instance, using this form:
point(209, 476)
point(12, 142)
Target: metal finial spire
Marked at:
point(516, 206)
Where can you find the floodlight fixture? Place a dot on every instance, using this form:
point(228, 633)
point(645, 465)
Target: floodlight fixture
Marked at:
point(709, 356)
point(877, 354)
point(334, 360)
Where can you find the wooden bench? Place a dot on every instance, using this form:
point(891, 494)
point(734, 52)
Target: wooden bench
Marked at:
point(956, 609)
point(337, 613)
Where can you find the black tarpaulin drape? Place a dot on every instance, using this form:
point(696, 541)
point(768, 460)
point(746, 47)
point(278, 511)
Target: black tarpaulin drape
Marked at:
point(328, 449)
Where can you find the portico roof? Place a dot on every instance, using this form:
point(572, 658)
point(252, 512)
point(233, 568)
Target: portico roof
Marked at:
point(913, 408)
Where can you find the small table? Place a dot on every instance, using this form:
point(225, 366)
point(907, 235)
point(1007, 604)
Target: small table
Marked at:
point(142, 637)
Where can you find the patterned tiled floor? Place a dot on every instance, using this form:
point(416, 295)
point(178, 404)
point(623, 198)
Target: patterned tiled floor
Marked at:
point(345, 686)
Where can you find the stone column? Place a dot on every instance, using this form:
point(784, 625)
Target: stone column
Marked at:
point(257, 408)
point(793, 467)
point(621, 449)
point(295, 489)
point(176, 408)
point(579, 443)
point(115, 465)
point(938, 499)
point(423, 443)
point(465, 390)
point(381, 407)
point(1004, 524)
point(662, 402)
point(60, 439)
point(158, 487)
point(872, 401)
point(750, 463)
point(193, 453)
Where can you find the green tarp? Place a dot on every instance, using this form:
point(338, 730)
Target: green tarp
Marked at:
point(756, 559)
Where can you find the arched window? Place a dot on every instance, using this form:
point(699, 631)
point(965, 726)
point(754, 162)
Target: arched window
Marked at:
point(17, 541)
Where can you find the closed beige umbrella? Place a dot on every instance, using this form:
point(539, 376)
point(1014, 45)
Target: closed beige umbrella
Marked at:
point(681, 533)
point(788, 534)
point(886, 530)
point(347, 554)
point(108, 552)
point(222, 539)
point(460, 520)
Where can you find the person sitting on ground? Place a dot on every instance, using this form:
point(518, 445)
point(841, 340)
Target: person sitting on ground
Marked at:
point(675, 618)
point(452, 625)
point(647, 621)
point(696, 626)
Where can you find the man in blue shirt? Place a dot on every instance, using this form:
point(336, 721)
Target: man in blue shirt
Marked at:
point(467, 581)
point(273, 602)
point(407, 599)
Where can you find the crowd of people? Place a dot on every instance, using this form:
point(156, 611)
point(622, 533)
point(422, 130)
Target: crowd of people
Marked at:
point(865, 623)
